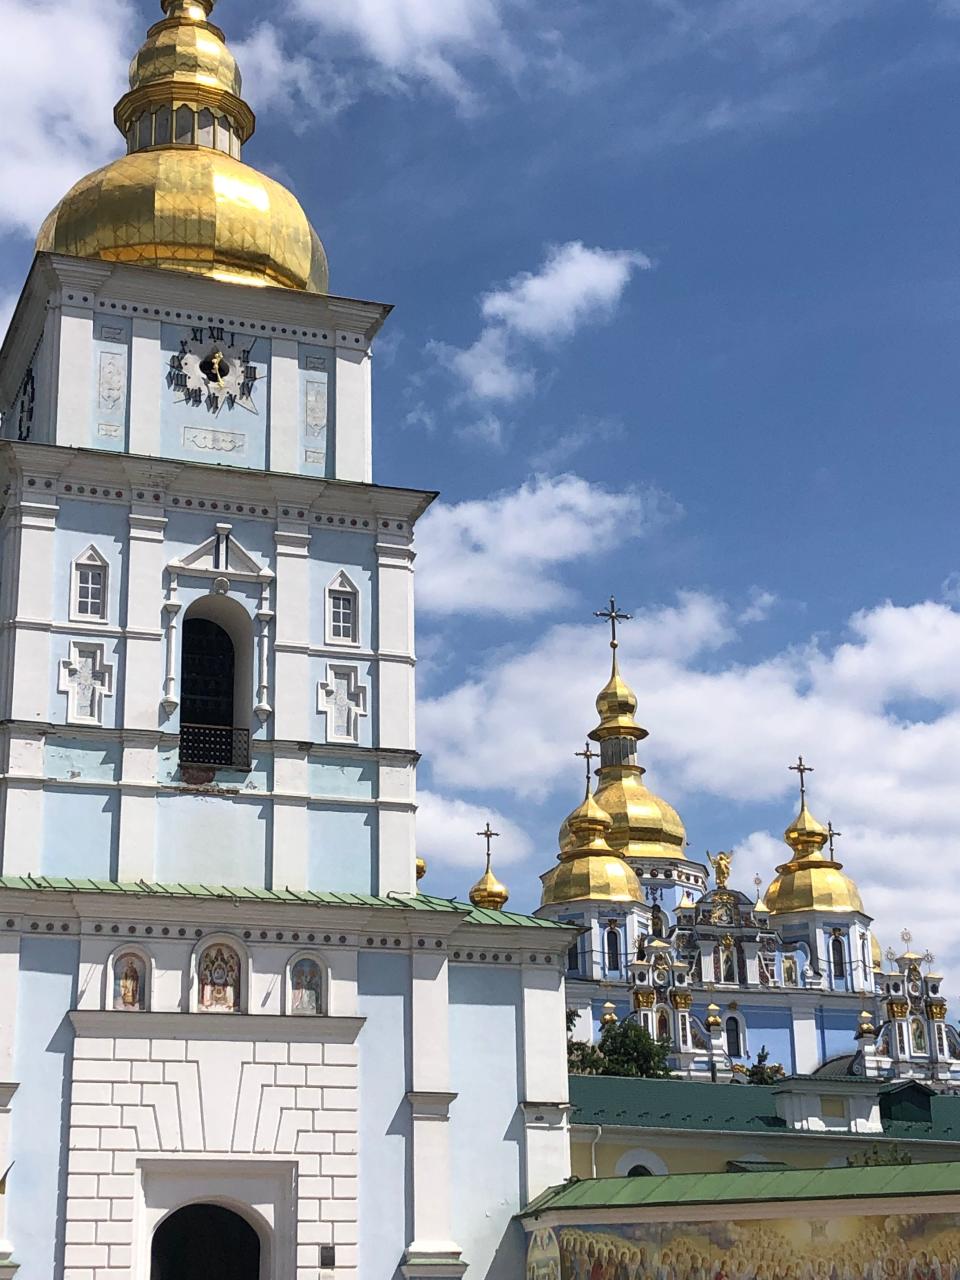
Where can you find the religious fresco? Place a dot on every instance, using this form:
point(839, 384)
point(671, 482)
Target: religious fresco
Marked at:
point(129, 985)
point(306, 987)
point(881, 1247)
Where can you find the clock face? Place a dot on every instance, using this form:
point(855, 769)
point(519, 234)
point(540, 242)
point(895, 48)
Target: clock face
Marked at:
point(216, 369)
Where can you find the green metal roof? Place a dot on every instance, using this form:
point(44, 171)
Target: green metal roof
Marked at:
point(743, 1108)
point(672, 1104)
point(309, 897)
point(742, 1188)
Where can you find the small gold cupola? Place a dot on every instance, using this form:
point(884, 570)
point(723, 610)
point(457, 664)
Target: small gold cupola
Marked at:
point(588, 867)
point(488, 891)
point(182, 198)
point(643, 824)
point(811, 881)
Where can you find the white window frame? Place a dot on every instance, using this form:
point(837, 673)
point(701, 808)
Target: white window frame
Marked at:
point(342, 585)
point(91, 559)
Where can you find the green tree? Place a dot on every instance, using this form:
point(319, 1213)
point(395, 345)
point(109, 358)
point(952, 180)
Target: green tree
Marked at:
point(628, 1050)
point(763, 1071)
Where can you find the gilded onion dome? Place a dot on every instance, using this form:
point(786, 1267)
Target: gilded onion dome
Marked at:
point(181, 198)
point(811, 881)
point(489, 892)
point(643, 824)
point(588, 867)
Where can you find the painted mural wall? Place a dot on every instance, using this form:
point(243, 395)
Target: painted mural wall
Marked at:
point(878, 1247)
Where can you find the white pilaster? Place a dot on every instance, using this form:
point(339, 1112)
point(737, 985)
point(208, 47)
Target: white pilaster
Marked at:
point(284, 406)
point(147, 386)
point(75, 376)
point(353, 421)
point(545, 1080)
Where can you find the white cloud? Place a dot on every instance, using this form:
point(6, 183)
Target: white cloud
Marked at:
point(420, 40)
point(878, 714)
point(447, 833)
point(278, 78)
point(487, 369)
point(62, 65)
point(502, 554)
point(759, 607)
point(574, 284)
point(8, 302)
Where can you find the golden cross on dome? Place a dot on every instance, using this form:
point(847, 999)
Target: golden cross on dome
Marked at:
point(802, 769)
point(613, 615)
point(831, 836)
point(488, 834)
point(587, 756)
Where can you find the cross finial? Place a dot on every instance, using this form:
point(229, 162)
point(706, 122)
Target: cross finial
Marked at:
point(613, 615)
point(488, 834)
point(587, 756)
point(831, 836)
point(802, 769)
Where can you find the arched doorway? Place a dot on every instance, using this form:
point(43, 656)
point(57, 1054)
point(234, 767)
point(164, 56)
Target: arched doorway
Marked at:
point(205, 1242)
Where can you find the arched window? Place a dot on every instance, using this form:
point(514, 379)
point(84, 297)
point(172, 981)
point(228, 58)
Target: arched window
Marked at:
point(88, 591)
point(573, 958)
point(839, 959)
point(144, 130)
point(656, 922)
point(218, 979)
point(734, 1045)
point(162, 123)
point(184, 124)
point(216, 682)
point(205, 128)
point(129, 982)
point(207, 1240)
point(639, 1171)
point(663, 1025)
point(223, 134)
point(728, 957)
point(306, 986)
point(613, 950)
point(343, 611)
point(789, 971)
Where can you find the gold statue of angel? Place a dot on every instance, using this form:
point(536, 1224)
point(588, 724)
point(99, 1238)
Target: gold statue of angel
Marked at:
point(721, 864)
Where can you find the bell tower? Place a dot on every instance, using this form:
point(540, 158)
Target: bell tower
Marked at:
point(207, 626)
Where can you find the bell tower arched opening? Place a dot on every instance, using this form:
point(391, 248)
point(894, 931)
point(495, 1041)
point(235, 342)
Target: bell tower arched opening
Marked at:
point(216, 684)
point(205, 1242)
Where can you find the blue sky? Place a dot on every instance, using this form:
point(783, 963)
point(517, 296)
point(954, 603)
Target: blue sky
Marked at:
point(677, 318)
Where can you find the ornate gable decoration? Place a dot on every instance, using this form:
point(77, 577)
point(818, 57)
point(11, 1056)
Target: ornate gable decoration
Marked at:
point(222, 556)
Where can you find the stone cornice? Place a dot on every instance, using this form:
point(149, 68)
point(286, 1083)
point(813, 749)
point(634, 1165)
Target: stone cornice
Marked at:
point(101, 1023)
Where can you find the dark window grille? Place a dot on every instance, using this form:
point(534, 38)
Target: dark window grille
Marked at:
point(215, 745)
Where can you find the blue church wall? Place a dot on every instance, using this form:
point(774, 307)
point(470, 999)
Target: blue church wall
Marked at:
point(333, 549)
point(66, 759)
point(80, 832)
point(486, 1123)
point(110, 384)
point(342, 849)
point(217, 840)
point(81, 524)
point(835, 1031)
point(258, 778)
point(317, 400)
point(111, 714)
point(383, 987)
point(38, 1142)
point(769, 1026)
point(331, 776)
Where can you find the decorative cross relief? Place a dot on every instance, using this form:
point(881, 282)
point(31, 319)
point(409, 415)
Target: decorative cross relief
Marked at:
point(343, 699)
point(86, 679)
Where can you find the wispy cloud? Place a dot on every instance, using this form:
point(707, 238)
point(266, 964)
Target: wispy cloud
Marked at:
point(502, 555)
point(574, 284)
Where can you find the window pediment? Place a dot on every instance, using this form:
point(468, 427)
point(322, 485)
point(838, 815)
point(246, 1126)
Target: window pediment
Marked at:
point(222, 556)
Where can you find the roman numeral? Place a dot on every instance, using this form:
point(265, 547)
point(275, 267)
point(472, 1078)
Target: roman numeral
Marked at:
point(196, 335)
point(215, 333)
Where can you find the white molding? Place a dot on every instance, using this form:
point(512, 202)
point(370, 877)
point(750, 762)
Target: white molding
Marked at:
point(66, 683)
point(341, 584)
point(89, 559)
point(356, 701)
point(265, 1027)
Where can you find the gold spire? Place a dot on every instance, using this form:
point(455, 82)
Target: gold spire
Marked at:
point(181, 198)
point(588, 867)
point(488, 891)
point(760, 906)
point(810, 881)
point(421, 868)
point(643, 825)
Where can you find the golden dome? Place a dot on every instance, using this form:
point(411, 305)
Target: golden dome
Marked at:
point(810, 881)
point(182, 198)
point(642, 824)
point(489, 892)
point(589, 868)
point(421, 868)
point(876, 954)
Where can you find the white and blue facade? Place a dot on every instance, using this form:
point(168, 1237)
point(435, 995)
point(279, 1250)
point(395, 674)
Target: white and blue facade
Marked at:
point(220, 984)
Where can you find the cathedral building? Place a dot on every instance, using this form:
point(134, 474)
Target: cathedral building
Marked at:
point(235, 1039)
point(795, 972)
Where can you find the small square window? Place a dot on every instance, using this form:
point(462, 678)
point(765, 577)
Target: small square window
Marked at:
point(90, 593)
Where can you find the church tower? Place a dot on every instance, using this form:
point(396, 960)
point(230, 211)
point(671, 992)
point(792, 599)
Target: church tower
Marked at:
point(226, 1012)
